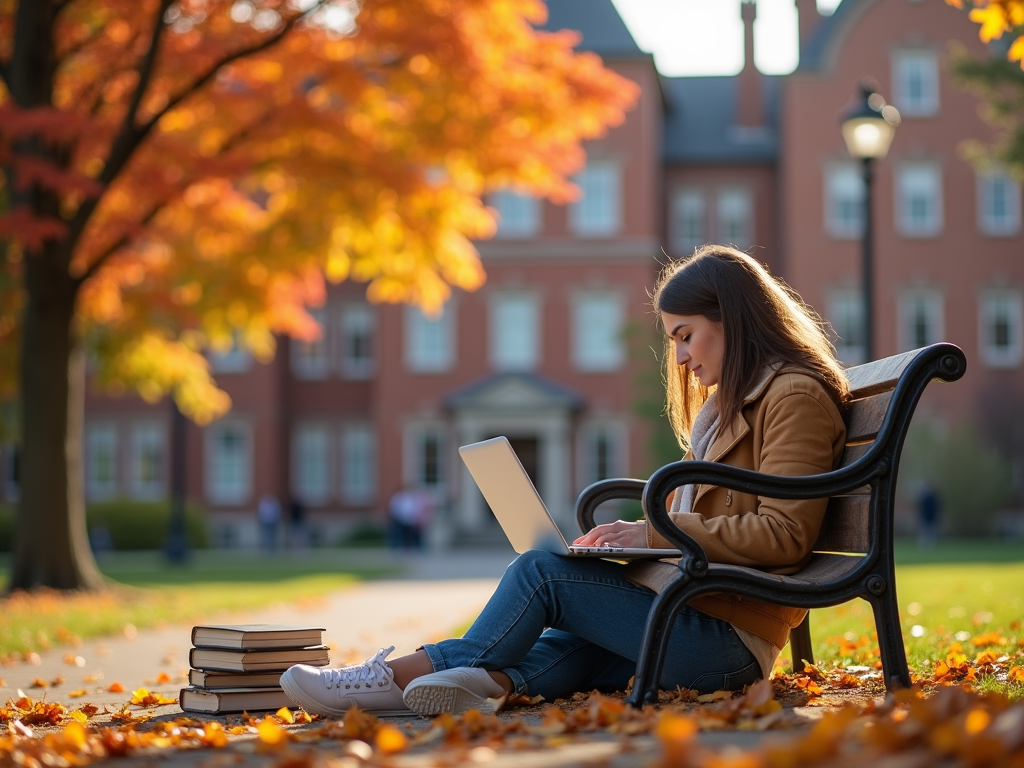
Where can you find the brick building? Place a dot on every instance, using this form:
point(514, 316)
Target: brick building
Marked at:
point(552, 351)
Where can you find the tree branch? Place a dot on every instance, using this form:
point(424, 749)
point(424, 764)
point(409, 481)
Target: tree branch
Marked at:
point(4, 68)
point(228, 144)
point(132, 135)
point(219, 65)
point(120, 243)
point(127, 138)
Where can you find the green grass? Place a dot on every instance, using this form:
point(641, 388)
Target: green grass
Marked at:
point(954, 593)
point(147, 592)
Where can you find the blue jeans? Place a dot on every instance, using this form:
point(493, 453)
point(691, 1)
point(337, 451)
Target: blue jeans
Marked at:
point(559, 625)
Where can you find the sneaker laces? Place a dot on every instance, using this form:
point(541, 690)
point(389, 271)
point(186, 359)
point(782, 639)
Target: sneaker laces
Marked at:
point(371, 673)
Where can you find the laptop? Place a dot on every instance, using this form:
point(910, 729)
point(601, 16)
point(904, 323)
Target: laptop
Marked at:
point(520, 510)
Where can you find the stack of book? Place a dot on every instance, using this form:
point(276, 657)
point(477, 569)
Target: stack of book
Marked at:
point(237, 668)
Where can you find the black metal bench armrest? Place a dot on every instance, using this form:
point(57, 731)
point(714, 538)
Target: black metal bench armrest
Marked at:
point(598, 493)
point(671, 476)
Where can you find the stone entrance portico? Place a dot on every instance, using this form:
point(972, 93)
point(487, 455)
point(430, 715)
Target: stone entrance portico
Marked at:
point(519, 406)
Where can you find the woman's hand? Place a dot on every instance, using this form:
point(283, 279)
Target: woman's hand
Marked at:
point(617, 534)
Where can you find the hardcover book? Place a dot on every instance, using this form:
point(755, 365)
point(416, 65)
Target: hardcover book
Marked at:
point(233, 699)
point(256, 636)
point(242, 660)
point(201, 678)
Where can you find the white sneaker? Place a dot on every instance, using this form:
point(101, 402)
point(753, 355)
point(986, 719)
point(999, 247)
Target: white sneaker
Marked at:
point(455, 691)
point(369, 686)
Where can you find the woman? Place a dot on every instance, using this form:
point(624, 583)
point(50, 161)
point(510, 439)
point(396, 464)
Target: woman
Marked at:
point(752, 382)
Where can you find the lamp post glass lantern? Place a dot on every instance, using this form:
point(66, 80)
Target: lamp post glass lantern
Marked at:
point(868, 130)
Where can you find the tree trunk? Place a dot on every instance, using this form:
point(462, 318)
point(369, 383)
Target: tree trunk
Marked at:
point(51, 547)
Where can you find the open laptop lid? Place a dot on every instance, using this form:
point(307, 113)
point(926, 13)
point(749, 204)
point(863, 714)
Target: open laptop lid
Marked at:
point(512, 497)
point(519, 508)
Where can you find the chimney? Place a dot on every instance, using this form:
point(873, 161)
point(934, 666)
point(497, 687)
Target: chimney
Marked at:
point(807, 20)
point(750, 106)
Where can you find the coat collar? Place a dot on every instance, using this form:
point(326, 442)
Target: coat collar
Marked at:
point(735, 431)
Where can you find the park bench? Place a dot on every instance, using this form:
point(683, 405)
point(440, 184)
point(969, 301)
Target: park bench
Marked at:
point(853, 554)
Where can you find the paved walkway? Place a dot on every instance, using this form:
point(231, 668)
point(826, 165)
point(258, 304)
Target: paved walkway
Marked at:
point(436, 595)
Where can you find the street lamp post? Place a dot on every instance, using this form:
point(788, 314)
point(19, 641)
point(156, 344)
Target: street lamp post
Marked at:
point(868, 130)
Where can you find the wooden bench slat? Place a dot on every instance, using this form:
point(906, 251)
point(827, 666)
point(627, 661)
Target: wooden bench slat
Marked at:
point(865, 417)
point(878, 375)
point(845, 527)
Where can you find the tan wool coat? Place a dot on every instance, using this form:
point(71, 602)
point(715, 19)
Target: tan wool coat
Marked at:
point(789, 425)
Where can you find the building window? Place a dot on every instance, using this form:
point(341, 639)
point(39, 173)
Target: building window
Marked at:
point(101, 461)
point(12, 472)
point(919, 199)
point(358, 329)
point(518, 215)
point(844, 200)
point(688, 220)
point(602, 450)
point(921, 318)
point(429, 340)
point(598, 212)
point(310, 359)
point(1002, 328)
point(597, 320)
point(734, 214)
point(514, 331)
point(425, 451)
point(358, 464)
point(915, 78)
point(846, 316)
point(228, 462)
point(234, 359)
point(147, 460)
point(311, 461)
point(998, 204)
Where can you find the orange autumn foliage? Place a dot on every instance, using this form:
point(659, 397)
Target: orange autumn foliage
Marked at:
point(212, 163)
point(997, 17)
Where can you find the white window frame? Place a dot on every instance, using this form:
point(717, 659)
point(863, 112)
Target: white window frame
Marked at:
point(518, 214)
point(734, 216)
point(916, 68)
point(919, 181)
point(312, 459)
point(846, 316)
point(358, 320)
point(689, 219)
point(146, 435)
point(414, 468)
point(218, 490)
point(1010, 302)
point(598, 322)
point(921, 302)
point(514, 330)
point(235, 359)
point(358, 464)
point(311, 360)
point(102, 439)
point(1008, 224)
point(429, 341)
point(598, 212)
point(844, 200)
point(617, 433)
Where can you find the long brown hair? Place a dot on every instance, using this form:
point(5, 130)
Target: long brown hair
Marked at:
point(765, 322)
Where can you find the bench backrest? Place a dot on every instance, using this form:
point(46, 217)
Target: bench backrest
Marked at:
point(848, 525)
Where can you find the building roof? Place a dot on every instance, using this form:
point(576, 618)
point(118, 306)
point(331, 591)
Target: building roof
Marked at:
point(514, 391)
point(602, 28)
point(700, 126)
point(827, 36)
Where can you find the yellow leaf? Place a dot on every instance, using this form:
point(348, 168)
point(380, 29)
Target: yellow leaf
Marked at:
point(1016, 52)
point(390, 740)
point(993, 21)
point(285, 714)
point(270, 733)
point(76, 694)
point(75, 733)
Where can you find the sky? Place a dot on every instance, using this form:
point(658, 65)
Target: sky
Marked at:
point(705, 37)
